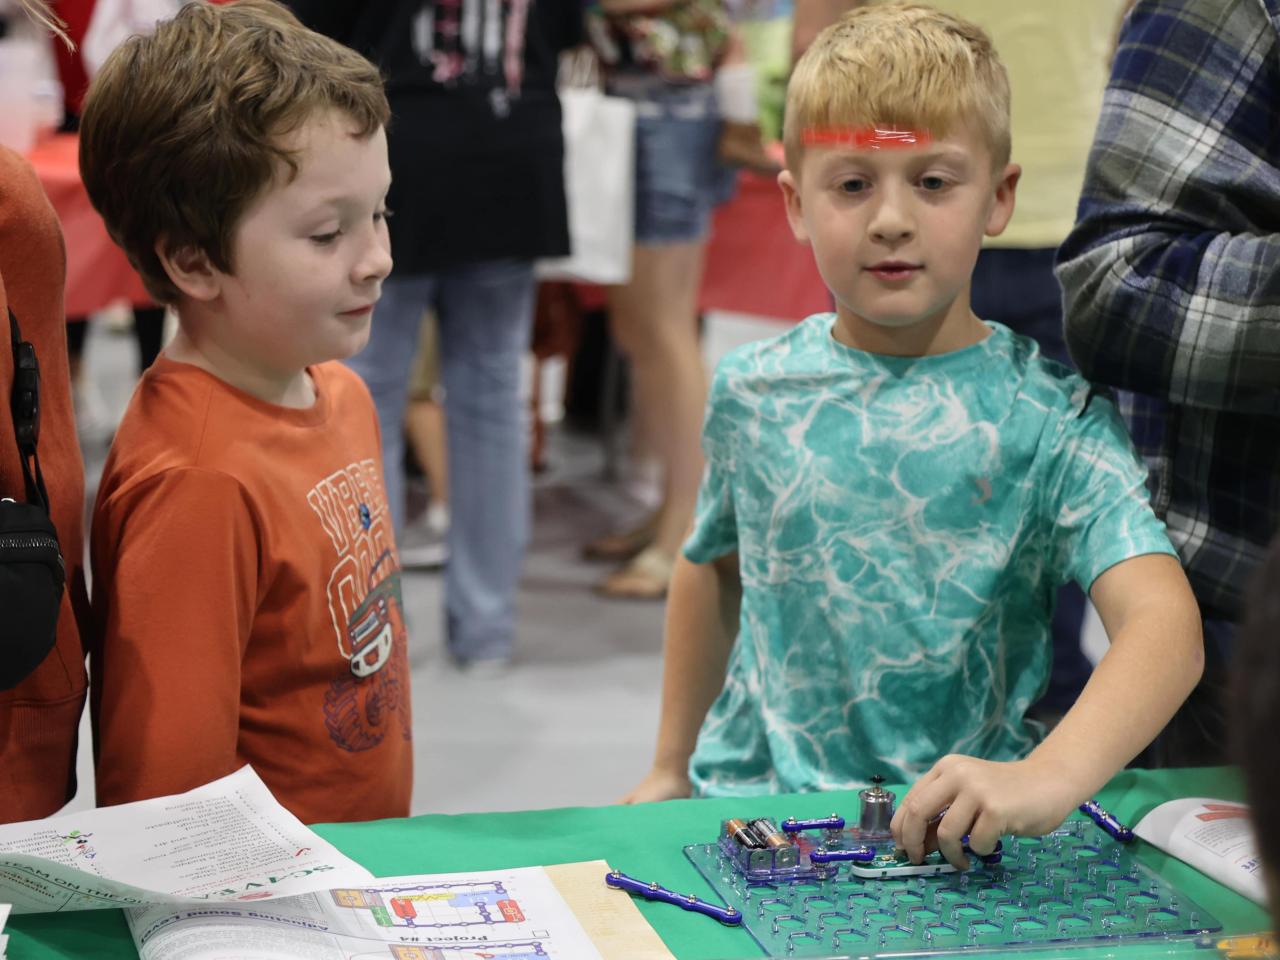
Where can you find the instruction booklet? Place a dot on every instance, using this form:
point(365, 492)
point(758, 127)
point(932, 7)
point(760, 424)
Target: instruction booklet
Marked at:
point(226, 842)
point(1214, 836)
point(224, 871)
point(526, 913)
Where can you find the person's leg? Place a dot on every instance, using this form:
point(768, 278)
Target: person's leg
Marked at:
point(422, 541)
point(424, 418)
point(424, 426)
point(485, 314)
point(654, 321)
point(654, 317)
point(384, 365)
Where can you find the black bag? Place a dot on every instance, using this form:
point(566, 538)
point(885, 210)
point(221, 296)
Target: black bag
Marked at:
point(32, 572)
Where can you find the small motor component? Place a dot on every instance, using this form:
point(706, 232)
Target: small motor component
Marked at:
point(877, 809)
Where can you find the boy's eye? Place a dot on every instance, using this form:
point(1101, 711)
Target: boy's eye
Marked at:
point(932, 183)
point(853, 185)
point(324, 239)
point(381, 216)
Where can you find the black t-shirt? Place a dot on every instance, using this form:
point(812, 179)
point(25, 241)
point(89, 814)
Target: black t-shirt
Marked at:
point(477, 157)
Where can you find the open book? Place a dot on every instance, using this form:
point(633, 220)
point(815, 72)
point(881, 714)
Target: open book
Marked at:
point(228, 841)
point(528, 913)
point(1214, 836)
point(224, 871)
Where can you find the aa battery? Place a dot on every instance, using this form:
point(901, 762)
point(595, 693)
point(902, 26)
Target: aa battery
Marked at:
point(743, 834)
point(771, 836)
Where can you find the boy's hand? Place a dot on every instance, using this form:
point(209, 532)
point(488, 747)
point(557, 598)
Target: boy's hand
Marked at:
point(659, 785)
point(982, 799)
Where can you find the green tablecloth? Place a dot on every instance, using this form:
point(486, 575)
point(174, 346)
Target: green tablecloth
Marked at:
point(645, 841)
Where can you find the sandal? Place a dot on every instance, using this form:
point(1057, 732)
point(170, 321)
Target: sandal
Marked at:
point(646, 577)
point(621, 547)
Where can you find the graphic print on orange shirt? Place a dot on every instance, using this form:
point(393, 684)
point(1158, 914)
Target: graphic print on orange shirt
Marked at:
point(365, 608)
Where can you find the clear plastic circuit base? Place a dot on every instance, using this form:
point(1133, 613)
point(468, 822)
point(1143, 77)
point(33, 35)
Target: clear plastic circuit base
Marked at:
point(1071, 887)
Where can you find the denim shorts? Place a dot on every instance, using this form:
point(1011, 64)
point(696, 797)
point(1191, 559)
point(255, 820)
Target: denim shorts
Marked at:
point(678, 176)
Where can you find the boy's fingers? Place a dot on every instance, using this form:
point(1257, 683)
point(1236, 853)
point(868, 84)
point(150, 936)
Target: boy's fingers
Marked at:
point(902, 816)
point(952, 829)
point(921, 814)
point(910, 834)
point(931, 836)
point(985, 834)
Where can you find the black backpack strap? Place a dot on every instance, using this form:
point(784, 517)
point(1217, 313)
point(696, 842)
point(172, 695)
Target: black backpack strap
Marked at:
point(24, 405)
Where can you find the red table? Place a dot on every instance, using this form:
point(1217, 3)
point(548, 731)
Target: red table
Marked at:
point(98, 273)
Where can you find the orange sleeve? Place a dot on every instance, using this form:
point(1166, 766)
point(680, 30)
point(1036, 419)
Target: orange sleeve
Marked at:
point(176, 565)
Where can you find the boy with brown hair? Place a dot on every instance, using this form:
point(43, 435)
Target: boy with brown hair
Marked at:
point(246, 587)
point(894, 492)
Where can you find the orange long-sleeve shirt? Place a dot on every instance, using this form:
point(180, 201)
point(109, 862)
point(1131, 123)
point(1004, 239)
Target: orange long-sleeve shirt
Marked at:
point(246, 597)
point(40, 717)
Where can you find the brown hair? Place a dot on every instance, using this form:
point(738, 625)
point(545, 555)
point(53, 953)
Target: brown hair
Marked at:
point(1255, 700)
point(902, 65)
point(181, 129)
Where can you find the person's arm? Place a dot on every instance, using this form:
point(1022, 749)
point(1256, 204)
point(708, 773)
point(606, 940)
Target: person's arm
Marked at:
point(1171, 276)
point(174, 594)
point(1154, 661)
point(702, 623)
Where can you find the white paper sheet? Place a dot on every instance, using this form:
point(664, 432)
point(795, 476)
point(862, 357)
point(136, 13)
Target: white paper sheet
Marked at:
point(227, 841)
point(1214, 836)
point(512, 914)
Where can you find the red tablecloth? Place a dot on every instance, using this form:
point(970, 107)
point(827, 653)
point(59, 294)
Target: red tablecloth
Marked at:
point(754, 264)
point(97, 271)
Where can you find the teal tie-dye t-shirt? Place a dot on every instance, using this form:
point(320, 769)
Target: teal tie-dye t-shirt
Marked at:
point(902, 525)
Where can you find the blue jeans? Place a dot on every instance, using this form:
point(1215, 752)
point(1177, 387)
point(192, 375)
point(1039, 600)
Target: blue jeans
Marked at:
point(485, 318)
point(678, 177)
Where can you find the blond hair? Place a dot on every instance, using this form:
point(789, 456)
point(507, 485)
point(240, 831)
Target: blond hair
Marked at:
point(40, 12)
point(182, 129)
point(904, 66)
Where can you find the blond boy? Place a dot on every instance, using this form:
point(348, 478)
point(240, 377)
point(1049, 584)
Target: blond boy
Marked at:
point(246, 590)
point(894, 492)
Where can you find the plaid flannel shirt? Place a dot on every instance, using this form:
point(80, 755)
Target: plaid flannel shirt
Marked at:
point(1171, 275)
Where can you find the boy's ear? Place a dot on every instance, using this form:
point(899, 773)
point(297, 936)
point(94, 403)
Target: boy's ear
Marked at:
point(1002, 209)
point(190, 270)
point(791, 196)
